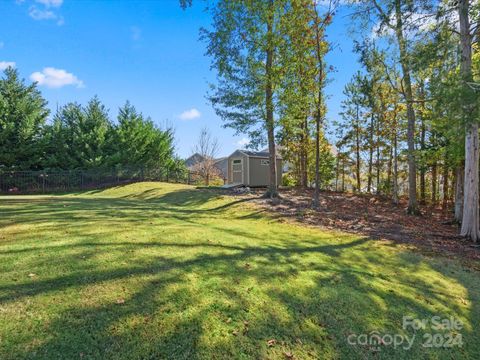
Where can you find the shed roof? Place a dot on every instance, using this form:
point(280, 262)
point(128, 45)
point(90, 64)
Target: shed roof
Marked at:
point(258, 154)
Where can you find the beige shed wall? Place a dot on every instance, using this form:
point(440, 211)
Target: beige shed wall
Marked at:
point(260, 174)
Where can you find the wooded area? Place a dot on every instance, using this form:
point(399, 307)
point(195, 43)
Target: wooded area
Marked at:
point(409, 125)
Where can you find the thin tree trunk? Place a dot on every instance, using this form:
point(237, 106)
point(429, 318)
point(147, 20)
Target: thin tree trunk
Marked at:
point(272, 186)
point(381, 123)
point(343, 175)
point(318, 115)
point(470, 221)
point(451, 191)
point(445, 187)
point(357, 150)
point(299, 168)
point(395, 162)
point(389, 171)
point(370, 157)
point(304, 166)
point(316, 196)
point(434, 183)
point(423, 195)
point(337, 170)
point(405, 63)
point(459, 180)
point(378, 160)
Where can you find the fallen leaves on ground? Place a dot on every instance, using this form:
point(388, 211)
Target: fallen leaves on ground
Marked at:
point(376, 217)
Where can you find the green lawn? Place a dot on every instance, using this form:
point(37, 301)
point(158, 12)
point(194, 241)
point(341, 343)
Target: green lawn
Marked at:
point(162, 271)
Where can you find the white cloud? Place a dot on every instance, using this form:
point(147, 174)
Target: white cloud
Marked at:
point(37, 14)
point(6, 64)
point(50, 3)
point(136, 33)
point(243, 142)
point(56, 78)
point(46, 11)
point(190, 114)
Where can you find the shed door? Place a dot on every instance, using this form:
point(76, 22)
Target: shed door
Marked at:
point(237, 171)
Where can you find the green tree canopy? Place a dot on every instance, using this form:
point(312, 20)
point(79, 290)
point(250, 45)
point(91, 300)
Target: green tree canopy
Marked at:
point(23, 112)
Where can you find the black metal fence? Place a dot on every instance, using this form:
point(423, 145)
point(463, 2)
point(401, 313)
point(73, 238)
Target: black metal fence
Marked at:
point(49, 181)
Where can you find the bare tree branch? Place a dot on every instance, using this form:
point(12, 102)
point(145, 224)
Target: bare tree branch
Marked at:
point(207, 147)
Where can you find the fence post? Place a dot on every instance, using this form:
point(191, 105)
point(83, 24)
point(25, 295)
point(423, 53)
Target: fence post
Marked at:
point(43, 182)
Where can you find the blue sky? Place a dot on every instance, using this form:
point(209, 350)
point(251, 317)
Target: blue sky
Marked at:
point(145, 51)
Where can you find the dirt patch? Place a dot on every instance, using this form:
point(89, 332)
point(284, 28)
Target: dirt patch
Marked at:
point(375, 217)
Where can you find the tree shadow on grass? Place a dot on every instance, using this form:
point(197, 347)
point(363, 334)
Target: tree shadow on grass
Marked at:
point(311, 316)
point(183, 203)
point(178, 197)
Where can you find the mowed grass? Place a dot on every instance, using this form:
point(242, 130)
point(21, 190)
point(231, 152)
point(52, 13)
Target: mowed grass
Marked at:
point(163, 271)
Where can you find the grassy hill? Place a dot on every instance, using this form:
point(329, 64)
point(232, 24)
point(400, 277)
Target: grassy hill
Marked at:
point(164, 271)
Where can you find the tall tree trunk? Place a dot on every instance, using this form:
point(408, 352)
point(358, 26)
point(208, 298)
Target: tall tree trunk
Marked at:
point(395, 161)
point(357, 151)
point(272, 186)
point(343, 175)
point(423, 195)
point(316, 196)
point(434, 183)
point(370, 157)
point(459, 180)
point(405, 63)
point(445, 187)
point(304, 166)
point(378, 159)
point(337, 170)
point(319, 112)
point(389, 171)
point(299, 168)
point(470, 221)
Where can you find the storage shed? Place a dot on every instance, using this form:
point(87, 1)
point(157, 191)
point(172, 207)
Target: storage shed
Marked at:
point(252, 168)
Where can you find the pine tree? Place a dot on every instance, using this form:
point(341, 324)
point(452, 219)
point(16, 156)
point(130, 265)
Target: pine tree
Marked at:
point(23, 112)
